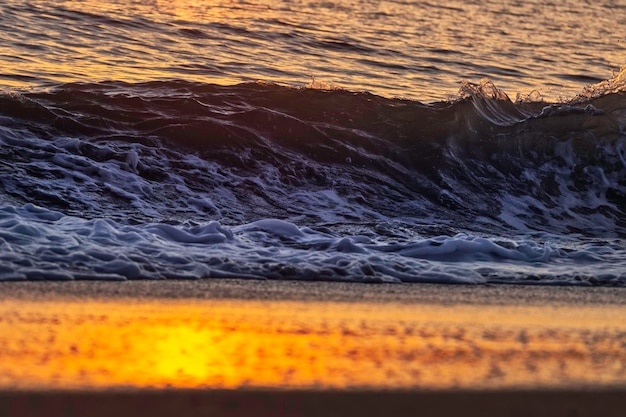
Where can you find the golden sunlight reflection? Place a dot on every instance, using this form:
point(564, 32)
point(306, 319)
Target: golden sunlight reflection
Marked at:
point(234, 344)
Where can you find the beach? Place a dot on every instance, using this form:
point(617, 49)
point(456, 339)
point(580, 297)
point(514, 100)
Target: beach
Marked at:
point(239, 347)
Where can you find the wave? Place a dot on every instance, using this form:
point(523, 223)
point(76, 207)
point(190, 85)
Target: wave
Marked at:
point(409, 183)
point(181, 150)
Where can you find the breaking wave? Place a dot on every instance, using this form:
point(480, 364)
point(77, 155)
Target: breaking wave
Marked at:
point(177, 179)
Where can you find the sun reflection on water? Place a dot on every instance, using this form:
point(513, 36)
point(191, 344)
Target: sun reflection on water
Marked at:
point(419, 50)
point(221, 344)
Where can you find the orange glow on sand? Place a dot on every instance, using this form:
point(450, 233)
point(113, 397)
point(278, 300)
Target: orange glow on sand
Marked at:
point(235, 344)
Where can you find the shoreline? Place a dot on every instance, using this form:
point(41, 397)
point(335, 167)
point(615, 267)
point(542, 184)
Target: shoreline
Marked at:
point(328, 291)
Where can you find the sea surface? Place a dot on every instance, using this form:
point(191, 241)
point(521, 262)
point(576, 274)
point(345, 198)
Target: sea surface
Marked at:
point(350, 140)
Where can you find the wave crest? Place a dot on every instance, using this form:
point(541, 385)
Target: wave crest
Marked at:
point(614, 85)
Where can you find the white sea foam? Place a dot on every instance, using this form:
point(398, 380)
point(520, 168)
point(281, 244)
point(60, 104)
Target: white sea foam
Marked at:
point(36, 243)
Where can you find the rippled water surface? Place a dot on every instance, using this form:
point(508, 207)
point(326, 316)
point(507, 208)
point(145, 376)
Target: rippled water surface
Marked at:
point(420, 50)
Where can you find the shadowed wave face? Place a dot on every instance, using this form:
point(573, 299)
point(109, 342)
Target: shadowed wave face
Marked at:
point(180, 179)
point(150, 150)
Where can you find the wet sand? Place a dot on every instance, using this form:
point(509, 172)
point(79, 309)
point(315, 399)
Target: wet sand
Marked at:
point(233, 347)
point(211, 289)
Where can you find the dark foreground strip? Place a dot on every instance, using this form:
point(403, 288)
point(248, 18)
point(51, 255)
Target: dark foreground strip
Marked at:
point(536, 403)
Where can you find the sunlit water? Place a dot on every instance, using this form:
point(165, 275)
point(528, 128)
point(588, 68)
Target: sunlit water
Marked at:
point(420, 50)
point(175, 139)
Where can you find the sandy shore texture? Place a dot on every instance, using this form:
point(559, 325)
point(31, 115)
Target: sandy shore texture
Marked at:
point(234, 347)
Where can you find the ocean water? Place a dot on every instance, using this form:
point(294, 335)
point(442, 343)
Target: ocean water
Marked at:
point(352, 140)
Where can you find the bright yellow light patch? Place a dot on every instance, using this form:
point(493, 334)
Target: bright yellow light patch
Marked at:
point(232, 344)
